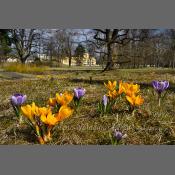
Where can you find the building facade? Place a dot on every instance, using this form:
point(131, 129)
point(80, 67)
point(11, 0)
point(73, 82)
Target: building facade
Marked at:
point(86, 60)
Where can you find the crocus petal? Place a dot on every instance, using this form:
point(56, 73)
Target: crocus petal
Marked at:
point(121, 88)
point(135, 88)
point(14, 100)
point(18, 94)
point(51, 119)
point(24, 99)
point(43, 118)
point(139, 100)
point(111, 85)
point(19, 100)
point(81, 92)
point(130, 100)
point(26, 110)
point(63, 113)
point(43, 111)
point(76, 93)
point(166, 84)
point(64, 99)
point(154, 83)
point(68, 97)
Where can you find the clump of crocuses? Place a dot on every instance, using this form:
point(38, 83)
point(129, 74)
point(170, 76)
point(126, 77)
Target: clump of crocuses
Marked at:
point(43, 119)
point(160, 87)
point(131, 92)
point(117, 137)
point(17, 100)
point(78, 95)
point(108, 100)
point(119, 93)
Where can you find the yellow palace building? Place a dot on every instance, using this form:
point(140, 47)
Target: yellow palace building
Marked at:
point(86, 60)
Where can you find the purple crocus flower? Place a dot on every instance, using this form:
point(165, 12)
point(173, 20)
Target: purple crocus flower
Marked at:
point(79, 92)
point(18, 99)
point(160, 86)
point(105, 100)
point(118, 135)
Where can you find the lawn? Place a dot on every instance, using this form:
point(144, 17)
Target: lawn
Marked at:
point(150, 125)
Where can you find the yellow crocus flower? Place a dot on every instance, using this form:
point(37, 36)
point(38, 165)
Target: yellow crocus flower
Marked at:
point(130, 89)
point(63, 113)
point(29, 111)
point(125, 87)
point(112, 94)
point(111, 86)
point(43, 111)
point(135, 100)
point(121, 87)
point(35, 109)
point(49, 119)
point(64, 99)
point(135, 88)
point(129, 92)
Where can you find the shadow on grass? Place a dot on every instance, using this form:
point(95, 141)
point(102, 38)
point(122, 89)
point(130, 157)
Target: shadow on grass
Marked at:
point(73, 71)
point(101, 82)
point(14, 132)
point(24, 133)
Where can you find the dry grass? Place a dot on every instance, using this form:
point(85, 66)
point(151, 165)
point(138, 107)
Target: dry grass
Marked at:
point(151, 125)
point(23, 68)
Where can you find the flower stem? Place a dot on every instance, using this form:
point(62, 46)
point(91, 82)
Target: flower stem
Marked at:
point(47, 135)
point(40, 140)
point(133, 113)
point(20, 119)
point(131, 108)
point(39, 137)
point(159, 99)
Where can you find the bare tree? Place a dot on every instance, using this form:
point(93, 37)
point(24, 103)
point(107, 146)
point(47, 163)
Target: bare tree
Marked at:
point(24, 41)
point(109, 37)
point(64, 44)
point(70, 45)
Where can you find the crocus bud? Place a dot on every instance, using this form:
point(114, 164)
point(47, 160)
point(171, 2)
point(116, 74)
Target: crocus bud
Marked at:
point(160, 86)
point(118, 135)
point(105, 100)
point(18, 99)
point(79, 92)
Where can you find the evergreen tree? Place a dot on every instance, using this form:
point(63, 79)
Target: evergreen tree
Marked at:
point(5, 42)
point(79, 53)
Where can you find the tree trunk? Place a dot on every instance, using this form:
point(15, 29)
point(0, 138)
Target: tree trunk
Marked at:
point(23, 60)
point(110, 62)
point(70, 60)
point(90, 61)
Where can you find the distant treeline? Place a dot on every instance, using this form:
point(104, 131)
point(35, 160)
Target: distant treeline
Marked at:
point(124, 48)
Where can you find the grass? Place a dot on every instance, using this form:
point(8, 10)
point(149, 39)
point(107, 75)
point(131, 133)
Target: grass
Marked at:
point(151, 125)
point(24, 68)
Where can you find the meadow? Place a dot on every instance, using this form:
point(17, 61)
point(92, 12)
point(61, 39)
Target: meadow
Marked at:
point(150, 125)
